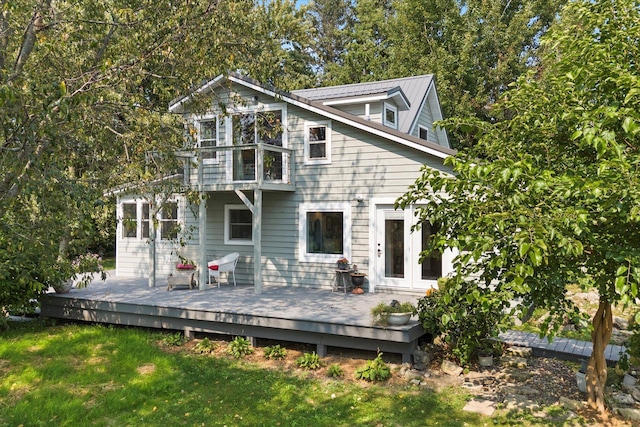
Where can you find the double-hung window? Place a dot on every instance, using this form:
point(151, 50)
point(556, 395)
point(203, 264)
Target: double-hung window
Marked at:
point(238, 225)
point(135, 220)
point(317, 143)
point(207, 138)
point(169, 221)
point(324, 232)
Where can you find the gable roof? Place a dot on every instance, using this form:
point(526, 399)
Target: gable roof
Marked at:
point(415, 89)
point(294, 98)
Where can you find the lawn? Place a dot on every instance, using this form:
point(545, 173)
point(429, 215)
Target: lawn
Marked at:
point(70, 375)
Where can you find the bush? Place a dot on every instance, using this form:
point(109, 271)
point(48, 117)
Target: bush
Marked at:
point(239, 347)
point(335, 371)
point(464, 314)
point(204, 347)
point(275, 352)
point(310, 361)
point(176, 339)
point(374, 370)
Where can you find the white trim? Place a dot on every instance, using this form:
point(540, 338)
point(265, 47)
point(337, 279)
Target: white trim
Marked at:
point(227, 238)
point(420, 127)
point(404, 103)
point(304, 208)
point(307, 144)
point(386, 106)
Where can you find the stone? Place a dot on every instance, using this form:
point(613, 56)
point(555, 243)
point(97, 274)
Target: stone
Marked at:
point(518, 402)
point(571, 404)
point(620, 323)
point(421, 359)
point(622, 398)
point(519, 351)
point(451, 368)
point(523, 390)
point(483, 407)
point(521, 375)
point(412, 374)
point(629, 413)
point(514, 361)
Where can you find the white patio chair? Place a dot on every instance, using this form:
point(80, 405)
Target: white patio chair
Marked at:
point(225, 264)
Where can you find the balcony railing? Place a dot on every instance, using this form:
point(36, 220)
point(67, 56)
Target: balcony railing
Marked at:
point(240, 166)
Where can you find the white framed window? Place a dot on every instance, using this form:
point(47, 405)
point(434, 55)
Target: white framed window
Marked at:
point(390, 116)
point(238, 225)
point(324, 232)
point(135, 220)
point(169, 221)
point(423, 132)
point(208, 137)
point(317, 143)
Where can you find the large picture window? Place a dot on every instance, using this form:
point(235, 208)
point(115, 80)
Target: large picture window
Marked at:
point(238, 225)
point(317, 138)
point(325, 232)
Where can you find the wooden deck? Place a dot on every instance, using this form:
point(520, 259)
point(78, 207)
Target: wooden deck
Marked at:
point(312, 316)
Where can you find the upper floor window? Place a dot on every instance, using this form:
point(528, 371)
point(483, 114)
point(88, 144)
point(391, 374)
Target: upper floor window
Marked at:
point(238, 225)
point(317, 143)
point(390, 116)
point(423, 133)
point(208, 137)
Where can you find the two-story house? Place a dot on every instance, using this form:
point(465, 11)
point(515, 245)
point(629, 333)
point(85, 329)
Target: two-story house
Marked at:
point(295, 181)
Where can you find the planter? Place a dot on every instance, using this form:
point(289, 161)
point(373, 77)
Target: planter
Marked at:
point(64, 288)
point(357, 279)
point(399, 319)
point(581, 381)
point(485, 360)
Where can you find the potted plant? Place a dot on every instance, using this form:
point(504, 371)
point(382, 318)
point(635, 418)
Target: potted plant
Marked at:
point(394, 314)
point(357, 279)
point(343, 264)
point(486, 351)
point(79, 272)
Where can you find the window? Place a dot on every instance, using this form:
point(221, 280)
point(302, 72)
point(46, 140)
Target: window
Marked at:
point(208, 137)
point(317, 147)
point(129, 220)
point(251, 128)
point(390, 116)
point(135, 220)
point(431, 265)
point(169, 221)
point(238, 225)
point(325, 232)
point(424, 133)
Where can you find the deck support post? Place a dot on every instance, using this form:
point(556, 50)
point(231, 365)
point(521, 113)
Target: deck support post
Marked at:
point(321, 350)
point(257, 241)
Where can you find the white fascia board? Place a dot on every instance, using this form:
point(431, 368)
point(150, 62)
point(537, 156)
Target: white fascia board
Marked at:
point(206, 86)
point(402, 102)
point(344, 120)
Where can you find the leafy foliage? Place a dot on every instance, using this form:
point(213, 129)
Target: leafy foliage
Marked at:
point(275, 352)
point(239, 347)
point(375, 370)
point(381, 311)
point(205, 346)
point(176, 340)
point(335, 371)
point(549, 196)
point(309, 361)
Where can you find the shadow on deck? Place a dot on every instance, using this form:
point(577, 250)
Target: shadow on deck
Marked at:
point(312, 316)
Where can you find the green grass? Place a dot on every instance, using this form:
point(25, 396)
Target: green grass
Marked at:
point(70, 375)
point(109, 263)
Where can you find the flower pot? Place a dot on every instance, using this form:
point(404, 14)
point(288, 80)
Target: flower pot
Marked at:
point(357, 279)
point(581, 381)
point(485, 360)
point(64, 287)
point(399, 319)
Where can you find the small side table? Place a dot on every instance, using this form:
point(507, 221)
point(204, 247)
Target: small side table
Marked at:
point(180, 278)
point(342, 280)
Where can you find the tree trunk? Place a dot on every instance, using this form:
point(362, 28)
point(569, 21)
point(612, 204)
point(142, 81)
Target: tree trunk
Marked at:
point(597, 369)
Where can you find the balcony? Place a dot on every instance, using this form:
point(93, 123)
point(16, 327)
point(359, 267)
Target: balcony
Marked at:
point(240, 167)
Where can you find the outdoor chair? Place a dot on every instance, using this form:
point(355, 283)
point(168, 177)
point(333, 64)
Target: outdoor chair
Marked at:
point(225, 264)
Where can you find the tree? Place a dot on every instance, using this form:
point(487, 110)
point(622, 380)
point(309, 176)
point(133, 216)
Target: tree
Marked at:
point(550, 195)
point(84, 88)
point(475, 48)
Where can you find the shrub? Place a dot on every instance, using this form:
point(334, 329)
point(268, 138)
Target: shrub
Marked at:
point(204, 347)
point(176, 339)
point(275, 352)
point(309, 361)
point(374, 370)
point(465, 314)
point(239, 347)
point(335, 371)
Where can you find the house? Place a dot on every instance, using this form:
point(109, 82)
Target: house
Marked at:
point(295, 181)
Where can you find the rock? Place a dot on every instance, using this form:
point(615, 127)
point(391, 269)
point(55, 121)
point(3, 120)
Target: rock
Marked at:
point(518, 402)
point(571, 404)
point(412, 374)
point(521, 375)
point(421, 359)
point(629, 413)
point(519, 351)
point(522, 389)
point(451, 368)
point(484, 407)
point(514, 361)
point(622, 398)
point(620, 323)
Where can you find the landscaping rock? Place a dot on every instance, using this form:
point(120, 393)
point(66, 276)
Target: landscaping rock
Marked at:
point(629, 413)
point(620, 323)
point(451, 368)
point(484, 407)
point(571, 404)
point(622, 398)
point(518, 402)
point(519, 351)
point(514, 361)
